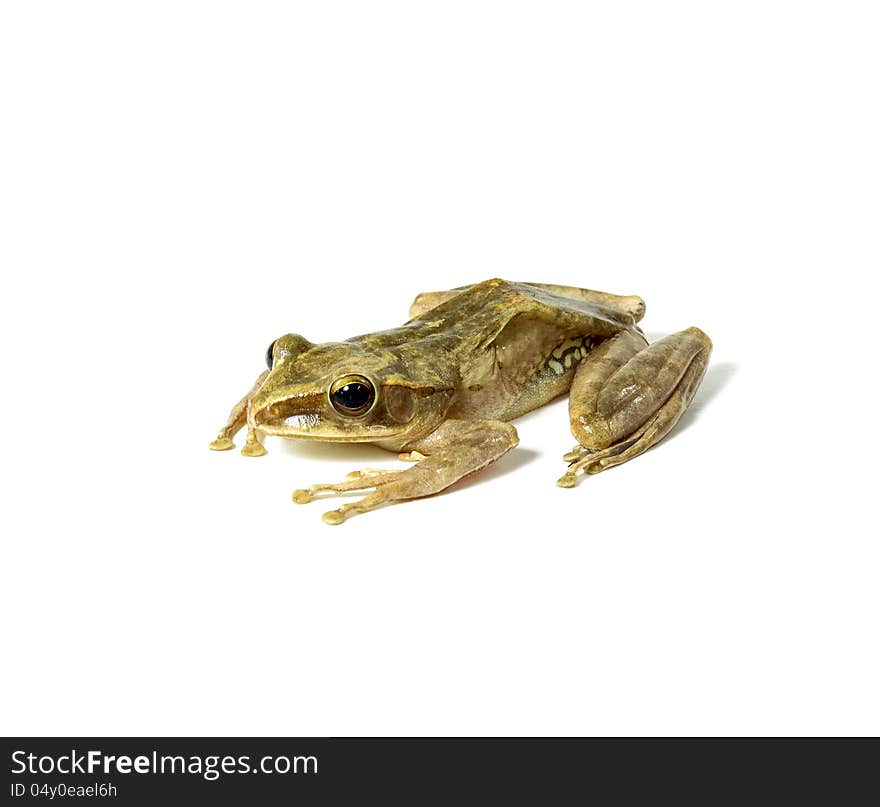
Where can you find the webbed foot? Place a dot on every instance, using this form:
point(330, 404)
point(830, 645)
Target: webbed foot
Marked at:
point(222, 444)
point(253, 447)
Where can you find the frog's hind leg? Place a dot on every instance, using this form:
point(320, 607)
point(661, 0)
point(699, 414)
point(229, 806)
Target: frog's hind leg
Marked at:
point(627, 304)
point(237, 419)
point(627, 395)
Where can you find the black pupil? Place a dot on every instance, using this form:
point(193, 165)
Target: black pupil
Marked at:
point(353, 396)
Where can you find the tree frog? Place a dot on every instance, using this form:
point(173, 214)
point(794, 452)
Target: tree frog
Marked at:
point(442, 389)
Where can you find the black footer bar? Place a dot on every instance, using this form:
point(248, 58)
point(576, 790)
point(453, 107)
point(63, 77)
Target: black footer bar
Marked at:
point(135, 771)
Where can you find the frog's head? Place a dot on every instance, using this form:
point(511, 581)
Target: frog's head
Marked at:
point(346, 392)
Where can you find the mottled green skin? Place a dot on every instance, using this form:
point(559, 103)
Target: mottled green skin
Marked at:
point(482, 353)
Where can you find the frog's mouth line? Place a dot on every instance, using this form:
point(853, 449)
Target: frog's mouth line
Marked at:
point(295, 412)
point(278, 420)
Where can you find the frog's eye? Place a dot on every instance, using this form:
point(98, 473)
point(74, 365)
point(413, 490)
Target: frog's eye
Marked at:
point(269, 359)
point(352, 395)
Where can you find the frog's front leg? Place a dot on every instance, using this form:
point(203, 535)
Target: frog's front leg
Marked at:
point(457, 448)
point(627, 395)
point(237, 419)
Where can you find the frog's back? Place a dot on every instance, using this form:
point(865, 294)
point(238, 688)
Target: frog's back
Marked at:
point(473, 315)
point(512, 346)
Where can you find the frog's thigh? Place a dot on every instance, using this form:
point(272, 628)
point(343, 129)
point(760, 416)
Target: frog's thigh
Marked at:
point(628, 304)
point(628, 395)
point(431, 299)
point(456, 449)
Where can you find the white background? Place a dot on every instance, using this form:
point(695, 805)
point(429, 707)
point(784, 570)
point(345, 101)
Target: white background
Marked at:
point(183, 182)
